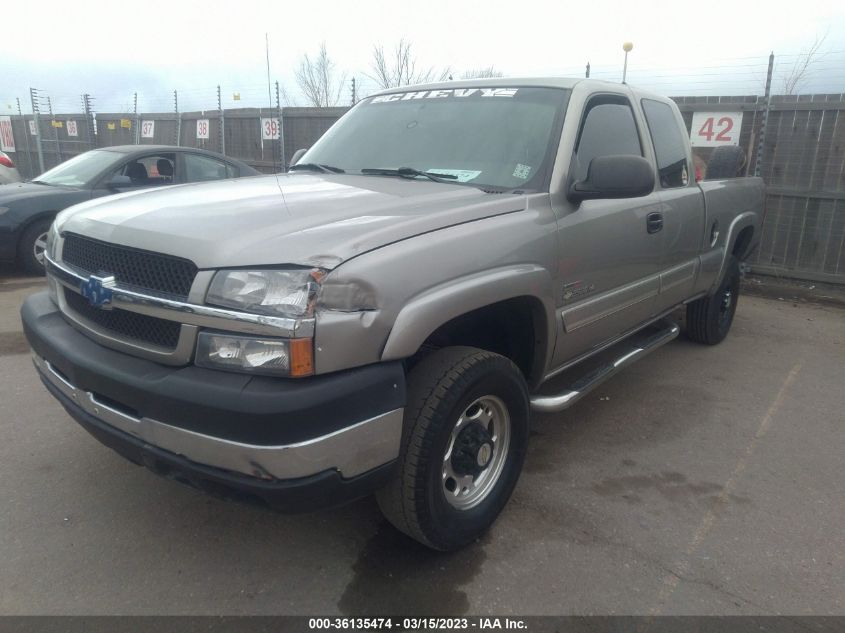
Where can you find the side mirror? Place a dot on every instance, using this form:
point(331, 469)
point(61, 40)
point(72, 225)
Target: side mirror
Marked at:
point(297, 155)
point(614, 177)
point(118, 181)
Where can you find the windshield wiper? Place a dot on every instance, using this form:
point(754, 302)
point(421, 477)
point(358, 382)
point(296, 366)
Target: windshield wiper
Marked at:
point(40, 182)
point(327, 169)
point(409, 172)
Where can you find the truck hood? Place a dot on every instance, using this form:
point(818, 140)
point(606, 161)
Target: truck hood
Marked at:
point(308, 219)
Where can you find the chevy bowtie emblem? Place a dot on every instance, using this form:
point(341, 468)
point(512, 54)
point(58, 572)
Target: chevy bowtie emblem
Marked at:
point(98, 291)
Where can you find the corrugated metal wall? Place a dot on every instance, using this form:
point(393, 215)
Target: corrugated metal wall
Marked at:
point(803, 166)
point(803, 162)
point(242, 127)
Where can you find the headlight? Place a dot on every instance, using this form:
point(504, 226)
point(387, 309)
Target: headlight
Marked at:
point(52, 241)
point(275, 357)
point(289, 293)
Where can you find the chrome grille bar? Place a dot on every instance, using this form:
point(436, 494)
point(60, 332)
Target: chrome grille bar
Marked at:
point(188, 313)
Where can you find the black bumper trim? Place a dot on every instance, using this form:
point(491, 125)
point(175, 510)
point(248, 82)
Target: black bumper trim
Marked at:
point(323, 490)
point(256, 410)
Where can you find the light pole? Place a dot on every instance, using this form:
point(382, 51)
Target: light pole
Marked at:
point(627, 46)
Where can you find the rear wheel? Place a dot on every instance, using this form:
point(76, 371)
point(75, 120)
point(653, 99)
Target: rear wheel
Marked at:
point(32, 247)
point(464, 442)
point(709, 319)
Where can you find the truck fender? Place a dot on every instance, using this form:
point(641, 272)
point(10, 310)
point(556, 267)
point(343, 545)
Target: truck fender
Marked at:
point(427, 311)
point(743, 220)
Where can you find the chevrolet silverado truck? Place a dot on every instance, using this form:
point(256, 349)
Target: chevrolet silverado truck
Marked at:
point(384, 317)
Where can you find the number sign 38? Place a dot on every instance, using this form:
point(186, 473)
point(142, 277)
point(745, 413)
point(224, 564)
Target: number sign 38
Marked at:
point(711, 129)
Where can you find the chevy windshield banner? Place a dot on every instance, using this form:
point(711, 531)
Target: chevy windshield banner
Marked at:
point(455, 93)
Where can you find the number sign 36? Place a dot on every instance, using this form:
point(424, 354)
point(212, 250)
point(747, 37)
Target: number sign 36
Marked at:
point(711, 129)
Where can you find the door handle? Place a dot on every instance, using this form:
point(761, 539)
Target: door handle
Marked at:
point(654, 222)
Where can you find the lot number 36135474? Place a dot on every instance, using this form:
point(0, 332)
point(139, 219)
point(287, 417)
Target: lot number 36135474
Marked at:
point(712, 129)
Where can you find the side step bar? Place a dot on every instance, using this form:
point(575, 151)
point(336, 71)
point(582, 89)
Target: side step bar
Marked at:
point(625, 353)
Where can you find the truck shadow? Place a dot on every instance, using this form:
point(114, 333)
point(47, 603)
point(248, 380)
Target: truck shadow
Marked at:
point(394, 574)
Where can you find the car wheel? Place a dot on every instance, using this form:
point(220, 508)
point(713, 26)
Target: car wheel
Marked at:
point(464, 442)
point(709, 319)
point(32, 247)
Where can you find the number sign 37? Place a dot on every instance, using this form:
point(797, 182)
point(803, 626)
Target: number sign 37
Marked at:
point(711, 129)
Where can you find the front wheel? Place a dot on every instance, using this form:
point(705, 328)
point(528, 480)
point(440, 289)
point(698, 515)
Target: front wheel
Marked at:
point(709, 319)
point(464, 442)
point(32, 247)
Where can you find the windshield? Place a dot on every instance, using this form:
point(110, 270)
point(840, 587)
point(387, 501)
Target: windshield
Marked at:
point(487, 137)
point(79, 170)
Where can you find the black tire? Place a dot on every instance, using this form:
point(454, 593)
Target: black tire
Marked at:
point(709, 319)
point(726, 162)
point(441, 387)
point(27, 258)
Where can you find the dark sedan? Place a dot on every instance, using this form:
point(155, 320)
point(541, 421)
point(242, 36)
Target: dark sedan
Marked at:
point(27, 209)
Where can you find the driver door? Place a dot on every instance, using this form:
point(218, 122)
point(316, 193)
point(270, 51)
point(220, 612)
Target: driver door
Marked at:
point(609, 253)
point(140, 172)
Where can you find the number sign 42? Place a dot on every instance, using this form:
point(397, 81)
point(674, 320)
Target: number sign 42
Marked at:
point(711, 129)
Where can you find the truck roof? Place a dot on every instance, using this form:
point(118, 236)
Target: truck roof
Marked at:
point(517, 82)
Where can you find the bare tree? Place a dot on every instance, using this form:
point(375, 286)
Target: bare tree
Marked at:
point(801, 69)
point(318, 79)
point(400, 68)
point(482, 73)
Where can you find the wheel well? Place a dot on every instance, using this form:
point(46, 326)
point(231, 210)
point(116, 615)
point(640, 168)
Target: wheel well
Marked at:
point(742, 241)
point(514, 328)
point(46, 215)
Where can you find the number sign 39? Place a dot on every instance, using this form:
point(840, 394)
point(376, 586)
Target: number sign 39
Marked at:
point(269, 129)
point(712, 129)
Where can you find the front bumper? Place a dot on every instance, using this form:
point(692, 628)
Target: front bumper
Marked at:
point(260, 436)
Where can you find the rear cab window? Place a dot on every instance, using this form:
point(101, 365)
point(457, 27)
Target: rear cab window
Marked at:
point(670, 145)
point(199, 168)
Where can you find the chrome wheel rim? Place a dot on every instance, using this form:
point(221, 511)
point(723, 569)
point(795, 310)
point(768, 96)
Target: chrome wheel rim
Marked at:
point(39, 247)
point(476, 452)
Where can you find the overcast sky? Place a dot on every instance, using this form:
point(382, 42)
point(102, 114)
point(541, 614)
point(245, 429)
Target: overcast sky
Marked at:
point(680, 47)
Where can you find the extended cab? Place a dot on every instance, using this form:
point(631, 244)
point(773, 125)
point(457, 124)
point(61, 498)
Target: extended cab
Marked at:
point(384, 317)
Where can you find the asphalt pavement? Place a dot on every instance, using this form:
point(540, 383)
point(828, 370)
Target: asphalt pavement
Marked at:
point(698, 481)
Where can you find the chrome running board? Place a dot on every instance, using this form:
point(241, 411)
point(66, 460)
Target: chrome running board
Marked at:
point(620, 355)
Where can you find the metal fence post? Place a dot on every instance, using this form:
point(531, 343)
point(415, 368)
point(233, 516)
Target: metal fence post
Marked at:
point(25, 138)
point(55, 130)
point(178, 142)
point(587, 73)
point(282, 166)
point(220, 126)
point(137, 125)
point(89, 119)
point(36, 111)
point(758, 162)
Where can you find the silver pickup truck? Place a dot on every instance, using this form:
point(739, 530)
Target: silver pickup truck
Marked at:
point(383, 318)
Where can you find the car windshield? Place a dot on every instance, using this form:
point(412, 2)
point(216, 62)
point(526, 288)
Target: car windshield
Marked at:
point(79, 170)
point(485, 137)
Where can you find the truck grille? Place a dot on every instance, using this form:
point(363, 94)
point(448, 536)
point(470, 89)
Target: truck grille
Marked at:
point(128, 325)
point(141, 269)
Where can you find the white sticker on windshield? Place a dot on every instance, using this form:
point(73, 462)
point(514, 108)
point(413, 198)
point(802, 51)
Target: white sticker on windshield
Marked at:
point(521, 171)
point(461, 175)
point(446, 94)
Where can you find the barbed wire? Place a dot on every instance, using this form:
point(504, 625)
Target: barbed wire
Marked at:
point(714, 76)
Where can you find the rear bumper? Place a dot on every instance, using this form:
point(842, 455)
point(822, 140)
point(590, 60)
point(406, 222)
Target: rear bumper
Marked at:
point(296, 444)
